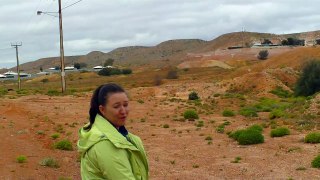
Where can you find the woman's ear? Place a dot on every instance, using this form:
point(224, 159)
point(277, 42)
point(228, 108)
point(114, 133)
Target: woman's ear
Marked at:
point(102, 110)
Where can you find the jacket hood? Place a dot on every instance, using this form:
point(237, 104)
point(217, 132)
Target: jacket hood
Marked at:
point(101, 129)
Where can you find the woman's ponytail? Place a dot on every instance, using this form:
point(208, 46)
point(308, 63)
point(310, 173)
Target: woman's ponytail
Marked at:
point(94, 108)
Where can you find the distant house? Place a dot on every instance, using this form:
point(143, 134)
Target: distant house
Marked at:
point(10, 74)
point(43, 73)
point(68, 68)
point(98, 67)
point(2, 76)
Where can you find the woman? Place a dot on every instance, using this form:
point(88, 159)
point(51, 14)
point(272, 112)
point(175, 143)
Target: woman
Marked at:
point(107, 150)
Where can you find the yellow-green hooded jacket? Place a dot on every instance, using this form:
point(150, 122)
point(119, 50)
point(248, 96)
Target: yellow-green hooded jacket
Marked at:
point(107, 154)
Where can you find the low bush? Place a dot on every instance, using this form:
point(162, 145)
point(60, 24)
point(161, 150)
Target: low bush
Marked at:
point(316, 162)
point(279, 132)
point(277, 113)
point(193, 96)
point(255, 127)
point(50, 162)
point(228, 113)
point(166, 126)
point(64, 145)
point(280, 92)
point(55, 135)
point(126, 71)
point(208, 138)
point(220, 128)
point(248, 112)
point(313, 138)
point(21, 159)
point(3, 92)
point(53, 93)
point(190, 114)
point(250, 135)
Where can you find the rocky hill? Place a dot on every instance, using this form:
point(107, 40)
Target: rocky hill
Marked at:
point(167, 53)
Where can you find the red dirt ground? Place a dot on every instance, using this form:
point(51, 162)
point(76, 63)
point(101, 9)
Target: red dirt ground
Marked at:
point(177, 152)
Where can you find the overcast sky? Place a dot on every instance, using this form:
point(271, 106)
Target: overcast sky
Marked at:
point(104, 25)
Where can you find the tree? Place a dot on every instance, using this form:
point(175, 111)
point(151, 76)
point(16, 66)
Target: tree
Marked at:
point(263, 55)
point(109, 72)
point(291, 41)
point(77, 65)
point(80, 65)
point(309, 81)
point(126, 71)
point(266, 41)
point(284, 42)
point(108, 62)
point(83, 65)
point(57, 68)
point(41, 69)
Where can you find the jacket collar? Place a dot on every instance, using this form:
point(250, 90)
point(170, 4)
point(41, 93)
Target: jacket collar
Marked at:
point(111, 133)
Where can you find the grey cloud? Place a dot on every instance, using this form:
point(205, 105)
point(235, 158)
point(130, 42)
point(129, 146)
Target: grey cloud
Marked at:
point(105, 25)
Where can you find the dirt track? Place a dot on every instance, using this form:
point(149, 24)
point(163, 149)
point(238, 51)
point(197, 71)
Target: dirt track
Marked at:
point(177, 152)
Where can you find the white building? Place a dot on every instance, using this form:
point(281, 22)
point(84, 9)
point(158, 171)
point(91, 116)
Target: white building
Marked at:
point(69, 68)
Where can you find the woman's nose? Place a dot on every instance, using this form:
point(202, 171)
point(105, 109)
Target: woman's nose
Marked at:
point(122, 110)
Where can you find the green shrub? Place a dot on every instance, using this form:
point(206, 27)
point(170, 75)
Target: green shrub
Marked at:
point(308, 83)
point(190, 114)
point(53, 93)
point(280, 92)
point(166, 126)
point(55, 135)
point(208, 138)
point(236, 159)
point(3, 92)
point(109, 72)
point(316, 162)
point(279, 132)
point(235, 135)
point(248, 112)
point(22, 91)
point(64, 145)
point(21, 159)
point(313, 137)
point(250, 137)
point(234, 95)
point(220, 128)
point(263, 55)
point(50, 162)
point(277, 113)
point(126, 71)
point(228, 113)
point(200, 124)
point(256, 127)
point(193, 96)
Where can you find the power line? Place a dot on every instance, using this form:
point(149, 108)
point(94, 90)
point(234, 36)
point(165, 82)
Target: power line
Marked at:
point(71, 4)
point(4, 48)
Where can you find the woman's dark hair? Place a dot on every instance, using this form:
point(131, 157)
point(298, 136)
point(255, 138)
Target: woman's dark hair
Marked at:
point(100, 97)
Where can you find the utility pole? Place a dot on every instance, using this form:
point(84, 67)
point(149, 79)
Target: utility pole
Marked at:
point(63, 80)
point(18, 66)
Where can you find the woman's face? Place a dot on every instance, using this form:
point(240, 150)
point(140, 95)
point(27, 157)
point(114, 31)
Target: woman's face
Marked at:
point(116, 109)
